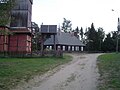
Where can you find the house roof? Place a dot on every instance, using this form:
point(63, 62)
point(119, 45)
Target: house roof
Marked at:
point(64, 39)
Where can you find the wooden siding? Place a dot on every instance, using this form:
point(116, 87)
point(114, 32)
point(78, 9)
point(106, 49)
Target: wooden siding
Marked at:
point(20, 43)
point(21, 14)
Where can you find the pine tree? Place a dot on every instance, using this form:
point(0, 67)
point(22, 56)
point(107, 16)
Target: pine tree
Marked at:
point(94, 38)
point(81, 33)
point(76, 32)
point(100, 37)
point(91, 35)
point(108, 44)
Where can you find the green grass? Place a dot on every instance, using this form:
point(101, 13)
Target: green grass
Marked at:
point(14, 70)
point(109, 69)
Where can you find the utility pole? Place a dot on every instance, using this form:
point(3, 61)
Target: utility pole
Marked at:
point(117, 44)
point(118, 31)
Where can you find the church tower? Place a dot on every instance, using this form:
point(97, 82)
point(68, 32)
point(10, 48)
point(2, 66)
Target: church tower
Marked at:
point(20, 26)
point(21, 14)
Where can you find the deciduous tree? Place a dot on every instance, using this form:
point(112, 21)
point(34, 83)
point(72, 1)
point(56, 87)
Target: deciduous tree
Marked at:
point(5, 10)
point(66, 25)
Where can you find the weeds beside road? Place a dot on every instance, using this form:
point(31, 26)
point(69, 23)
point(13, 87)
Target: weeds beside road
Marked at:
point(109, 69)
point(15, 70)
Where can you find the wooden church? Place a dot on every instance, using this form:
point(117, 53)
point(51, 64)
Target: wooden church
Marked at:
point(20, 27)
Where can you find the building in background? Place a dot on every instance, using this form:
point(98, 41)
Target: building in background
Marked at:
point(65, 41)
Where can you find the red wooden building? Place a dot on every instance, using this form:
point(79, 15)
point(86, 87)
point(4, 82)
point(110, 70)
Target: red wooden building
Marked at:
point(20, 27)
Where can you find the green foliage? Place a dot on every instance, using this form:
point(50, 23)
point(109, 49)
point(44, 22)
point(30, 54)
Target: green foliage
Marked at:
point(5, 10)
point(91, 36)
point(15, 70)
point(94, 38)
point(66, 25)
point(36, 38)
point(81, 33)
point(109, 68)
point(109, 44)
point(76, 32)
point(5, 32)
point(100, 38)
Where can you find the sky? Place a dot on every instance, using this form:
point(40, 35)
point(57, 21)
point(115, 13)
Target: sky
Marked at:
point(81, 13)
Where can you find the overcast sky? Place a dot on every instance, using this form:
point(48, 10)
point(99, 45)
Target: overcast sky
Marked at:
point(81, 13)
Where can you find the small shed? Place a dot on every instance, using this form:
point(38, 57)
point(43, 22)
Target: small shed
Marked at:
point(48, 30)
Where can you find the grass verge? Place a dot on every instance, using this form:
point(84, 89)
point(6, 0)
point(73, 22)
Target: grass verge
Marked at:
point(109, 69)
point(14, 70)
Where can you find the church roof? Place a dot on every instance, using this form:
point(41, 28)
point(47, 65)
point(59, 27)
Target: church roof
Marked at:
point(64, 39)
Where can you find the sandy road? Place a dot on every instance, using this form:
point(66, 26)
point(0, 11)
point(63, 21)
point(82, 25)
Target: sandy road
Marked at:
point(79, 74)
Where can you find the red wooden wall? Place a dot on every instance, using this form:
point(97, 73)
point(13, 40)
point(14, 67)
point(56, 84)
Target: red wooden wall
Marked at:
point(18, 42)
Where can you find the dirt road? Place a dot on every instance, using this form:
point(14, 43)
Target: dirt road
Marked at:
point(80, 74)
